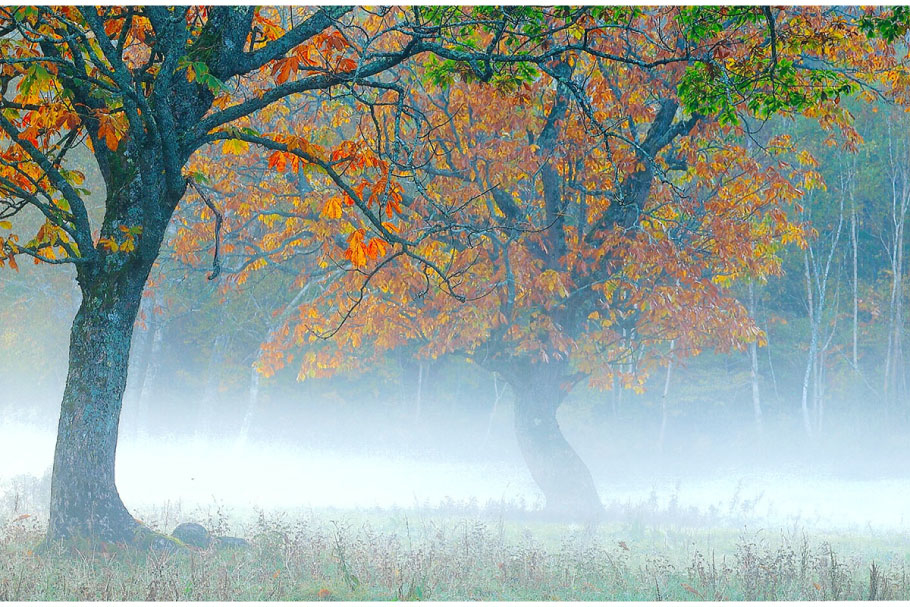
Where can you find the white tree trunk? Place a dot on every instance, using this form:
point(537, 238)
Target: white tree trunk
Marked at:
point(813, 341)
point(253, 398)
point(418, 401)
point(663, 401)
point(895, 376)
point(853, 241)
point(252, 405)
point(753, 355)
point(209, 402)
point(498, 391)
point(817, 276)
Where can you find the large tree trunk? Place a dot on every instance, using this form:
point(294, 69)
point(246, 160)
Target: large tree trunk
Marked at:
point(561, 475)
point(84, 499)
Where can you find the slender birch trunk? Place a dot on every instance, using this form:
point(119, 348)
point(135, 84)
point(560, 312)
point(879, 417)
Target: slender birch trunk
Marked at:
point(418, 401)
point(663, 401)
point(853, 241)
point(213, 375)
point(498, 391)
point(810, 358)
point(149, 376)
point(753, 355)
point(253, 396)
point(895, 376)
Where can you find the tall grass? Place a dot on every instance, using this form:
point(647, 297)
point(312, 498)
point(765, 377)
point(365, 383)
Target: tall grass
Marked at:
point(466, 554)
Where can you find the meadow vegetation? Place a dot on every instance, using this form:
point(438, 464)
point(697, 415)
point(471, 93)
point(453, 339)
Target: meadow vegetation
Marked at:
point(457, 551)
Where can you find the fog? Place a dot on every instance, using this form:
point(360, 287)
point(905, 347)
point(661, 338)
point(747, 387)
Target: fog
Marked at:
point(366, 442)
point(304, 454)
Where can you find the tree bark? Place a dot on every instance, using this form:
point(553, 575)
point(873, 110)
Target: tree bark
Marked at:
point(557, 469)
point(663, 401)
point(213, 375)
point(810, 358)
point(753, 369)
point(252, 405)
point(84, 498)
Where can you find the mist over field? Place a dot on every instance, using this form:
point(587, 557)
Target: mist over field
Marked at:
point(362, 443)
point(313, 452)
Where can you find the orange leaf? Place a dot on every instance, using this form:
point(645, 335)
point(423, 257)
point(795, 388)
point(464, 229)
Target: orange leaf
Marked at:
point(376, 247)
point(332, 208)
point(356, 252)
point(278, 161)
point(285, 68)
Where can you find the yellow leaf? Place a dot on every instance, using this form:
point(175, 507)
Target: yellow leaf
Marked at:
point(235, 146)
point(6, 225)
point(108, 244)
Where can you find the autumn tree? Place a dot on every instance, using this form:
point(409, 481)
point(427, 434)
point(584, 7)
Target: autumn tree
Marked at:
point(563, 225)
point(145, 88)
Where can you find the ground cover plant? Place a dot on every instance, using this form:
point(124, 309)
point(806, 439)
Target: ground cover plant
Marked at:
point(624, 188)
point(464, 553)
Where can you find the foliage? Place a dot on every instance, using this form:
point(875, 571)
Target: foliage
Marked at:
point(408, 207)
point(552, 216)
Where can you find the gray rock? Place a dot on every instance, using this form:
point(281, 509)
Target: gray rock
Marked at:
point(163, 544)
point(226, 541)
point(193, 534)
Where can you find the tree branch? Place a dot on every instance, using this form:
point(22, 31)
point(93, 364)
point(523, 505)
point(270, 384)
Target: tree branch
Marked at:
point(219, 219)
point(323, 19)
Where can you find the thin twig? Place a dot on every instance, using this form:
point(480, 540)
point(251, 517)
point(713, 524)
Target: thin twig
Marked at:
point(219, 219)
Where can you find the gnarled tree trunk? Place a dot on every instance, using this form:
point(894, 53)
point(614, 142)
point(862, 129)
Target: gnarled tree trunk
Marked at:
point(557, 469)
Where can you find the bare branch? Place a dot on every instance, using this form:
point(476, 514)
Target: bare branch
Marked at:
point(219, 219)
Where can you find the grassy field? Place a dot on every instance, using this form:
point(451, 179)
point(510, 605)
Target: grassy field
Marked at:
point(462, 553)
